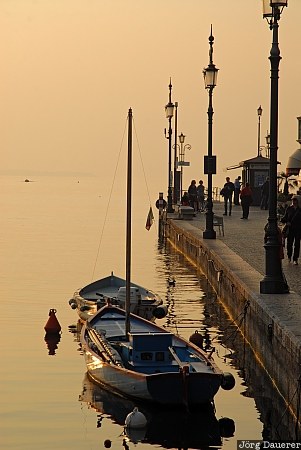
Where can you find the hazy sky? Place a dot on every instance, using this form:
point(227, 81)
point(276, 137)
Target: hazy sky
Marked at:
point(70, 70)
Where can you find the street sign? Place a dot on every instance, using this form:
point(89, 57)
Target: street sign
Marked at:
point(210, 164)
point(183, 163)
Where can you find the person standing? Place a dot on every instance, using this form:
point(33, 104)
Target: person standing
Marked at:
point(246, 200)
point(265, 190)
point(292, 219)
point(193, 195)
point(237, 186)
point(227, 193)
point(201, 196)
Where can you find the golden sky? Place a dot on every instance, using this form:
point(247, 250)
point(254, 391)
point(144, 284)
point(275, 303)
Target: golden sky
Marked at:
point(70, 70)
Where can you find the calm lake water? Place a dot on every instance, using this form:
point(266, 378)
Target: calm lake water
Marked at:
point(53, 241)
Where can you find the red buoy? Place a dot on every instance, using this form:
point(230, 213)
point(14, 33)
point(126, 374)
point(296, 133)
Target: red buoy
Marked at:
point(52, 326)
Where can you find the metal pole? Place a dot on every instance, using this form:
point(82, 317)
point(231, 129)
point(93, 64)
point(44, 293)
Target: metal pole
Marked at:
point(274, 281)
point(209, 233)
point(169, 194)
point(175, 193)
point(128, 224)
point(181, 178)
point(258, 144)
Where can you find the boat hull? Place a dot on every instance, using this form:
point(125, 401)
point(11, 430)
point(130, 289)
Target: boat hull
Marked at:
point(150, 364)
point(166, 388)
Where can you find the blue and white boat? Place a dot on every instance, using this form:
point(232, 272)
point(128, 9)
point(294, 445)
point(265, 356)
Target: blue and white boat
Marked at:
point(148, 363)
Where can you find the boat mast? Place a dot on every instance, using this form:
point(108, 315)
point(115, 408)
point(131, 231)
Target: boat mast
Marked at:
point(128, 225)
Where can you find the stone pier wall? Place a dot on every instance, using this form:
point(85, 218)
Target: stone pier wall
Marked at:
point(272, 325)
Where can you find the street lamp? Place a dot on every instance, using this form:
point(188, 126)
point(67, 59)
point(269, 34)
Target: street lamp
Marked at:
point(267, 140)
point(259, 112)
point(274, 281)
point(169, 115)
point(182, 158)
point(176, 187)
point(210, 77)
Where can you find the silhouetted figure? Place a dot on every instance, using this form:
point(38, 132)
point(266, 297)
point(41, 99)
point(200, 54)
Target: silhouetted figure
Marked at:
point(246, 198)
point(227, 193)
point(292, 219)
point(237, 186)
point(193, 195)
point(265, 191)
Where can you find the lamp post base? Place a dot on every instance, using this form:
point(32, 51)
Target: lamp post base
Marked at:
point(273, 286)
point(209, 234)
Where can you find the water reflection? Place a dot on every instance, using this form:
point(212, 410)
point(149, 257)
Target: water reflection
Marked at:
point(232, 349)
point(168, 428)
point(52, 341)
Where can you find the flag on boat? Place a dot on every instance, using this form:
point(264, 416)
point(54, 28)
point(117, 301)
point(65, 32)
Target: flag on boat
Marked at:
point(150, 219)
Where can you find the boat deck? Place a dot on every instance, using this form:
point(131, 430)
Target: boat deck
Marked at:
point(109, 291)
point(115, 328)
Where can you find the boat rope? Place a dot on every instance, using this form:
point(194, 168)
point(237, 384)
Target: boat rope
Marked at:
point(109, 200)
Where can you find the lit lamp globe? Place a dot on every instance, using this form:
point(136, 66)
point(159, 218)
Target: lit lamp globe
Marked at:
point(182, 138)
point(210, 76)
point(169, 110)
point(268, 5)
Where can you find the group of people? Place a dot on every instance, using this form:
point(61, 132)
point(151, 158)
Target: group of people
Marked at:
point(291, 218)
point(234, 189)
point(195, 196)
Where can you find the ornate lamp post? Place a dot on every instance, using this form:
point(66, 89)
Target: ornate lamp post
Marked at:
point(274, 281)
point(210, 77)
point(176, 187)
point(182, 158)
point(169, 108)
point(259, 112)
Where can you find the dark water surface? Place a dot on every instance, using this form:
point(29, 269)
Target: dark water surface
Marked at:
point(51, 234)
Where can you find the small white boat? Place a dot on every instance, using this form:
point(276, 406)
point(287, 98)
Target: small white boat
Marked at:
point(148, 363)
point(92, 297)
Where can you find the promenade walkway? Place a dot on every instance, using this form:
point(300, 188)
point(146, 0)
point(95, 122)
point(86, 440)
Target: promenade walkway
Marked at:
point(245, 237)
point(234, 264)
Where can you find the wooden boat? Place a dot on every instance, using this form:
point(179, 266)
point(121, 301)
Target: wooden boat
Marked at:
point(92, 297)
point(148, 363)
point(138, 359)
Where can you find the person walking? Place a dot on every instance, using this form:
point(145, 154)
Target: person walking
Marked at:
point(265, 190)
point(246, 199)
point(292, 219)
point(201, 196)
point(193, 195)
point(227, 193)
point(237, 186)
